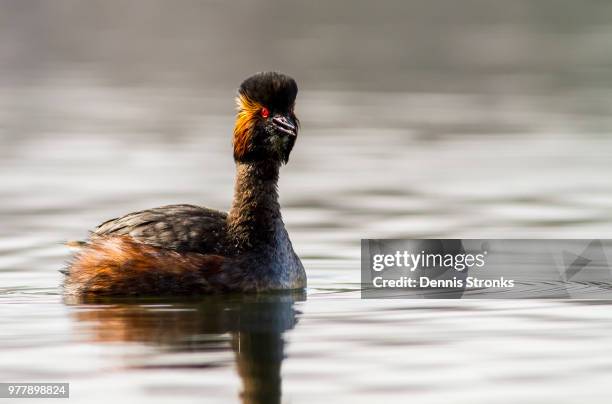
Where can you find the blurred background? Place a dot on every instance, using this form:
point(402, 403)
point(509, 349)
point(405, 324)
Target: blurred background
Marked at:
point(480, 118)
point(469, 118)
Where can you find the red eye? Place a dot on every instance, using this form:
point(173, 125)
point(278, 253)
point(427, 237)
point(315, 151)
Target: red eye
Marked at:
point(265, 112)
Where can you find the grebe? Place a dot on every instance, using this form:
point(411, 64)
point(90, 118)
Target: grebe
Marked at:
point(186, 249)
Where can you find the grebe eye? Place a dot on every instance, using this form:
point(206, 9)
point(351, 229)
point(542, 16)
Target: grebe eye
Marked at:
point(265, 112)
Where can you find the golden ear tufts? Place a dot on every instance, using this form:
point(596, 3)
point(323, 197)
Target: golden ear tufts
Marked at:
point(248, 111)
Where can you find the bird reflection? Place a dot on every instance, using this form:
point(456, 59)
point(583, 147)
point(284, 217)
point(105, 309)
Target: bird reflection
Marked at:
point(255, 323)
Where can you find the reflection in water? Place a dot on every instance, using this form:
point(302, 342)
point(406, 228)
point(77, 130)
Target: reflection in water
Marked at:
point(256, 324)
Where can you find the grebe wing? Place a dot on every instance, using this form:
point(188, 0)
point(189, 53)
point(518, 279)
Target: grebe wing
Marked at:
point(185, 228)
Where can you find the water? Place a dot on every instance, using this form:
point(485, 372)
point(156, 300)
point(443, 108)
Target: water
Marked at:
point(427, 130)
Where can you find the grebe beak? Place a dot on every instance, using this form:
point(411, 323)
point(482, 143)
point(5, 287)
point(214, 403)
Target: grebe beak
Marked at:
point(285, 125)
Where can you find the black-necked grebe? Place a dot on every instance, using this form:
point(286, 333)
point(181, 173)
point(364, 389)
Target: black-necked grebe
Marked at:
point(185, 249)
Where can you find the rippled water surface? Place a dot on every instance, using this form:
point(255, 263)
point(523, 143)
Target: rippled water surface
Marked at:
point(478, 144)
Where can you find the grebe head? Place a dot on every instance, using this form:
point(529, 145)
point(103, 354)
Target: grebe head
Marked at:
point(266, 126)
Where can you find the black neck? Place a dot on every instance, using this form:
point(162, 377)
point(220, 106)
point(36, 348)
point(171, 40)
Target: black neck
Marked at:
point(255, 212)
